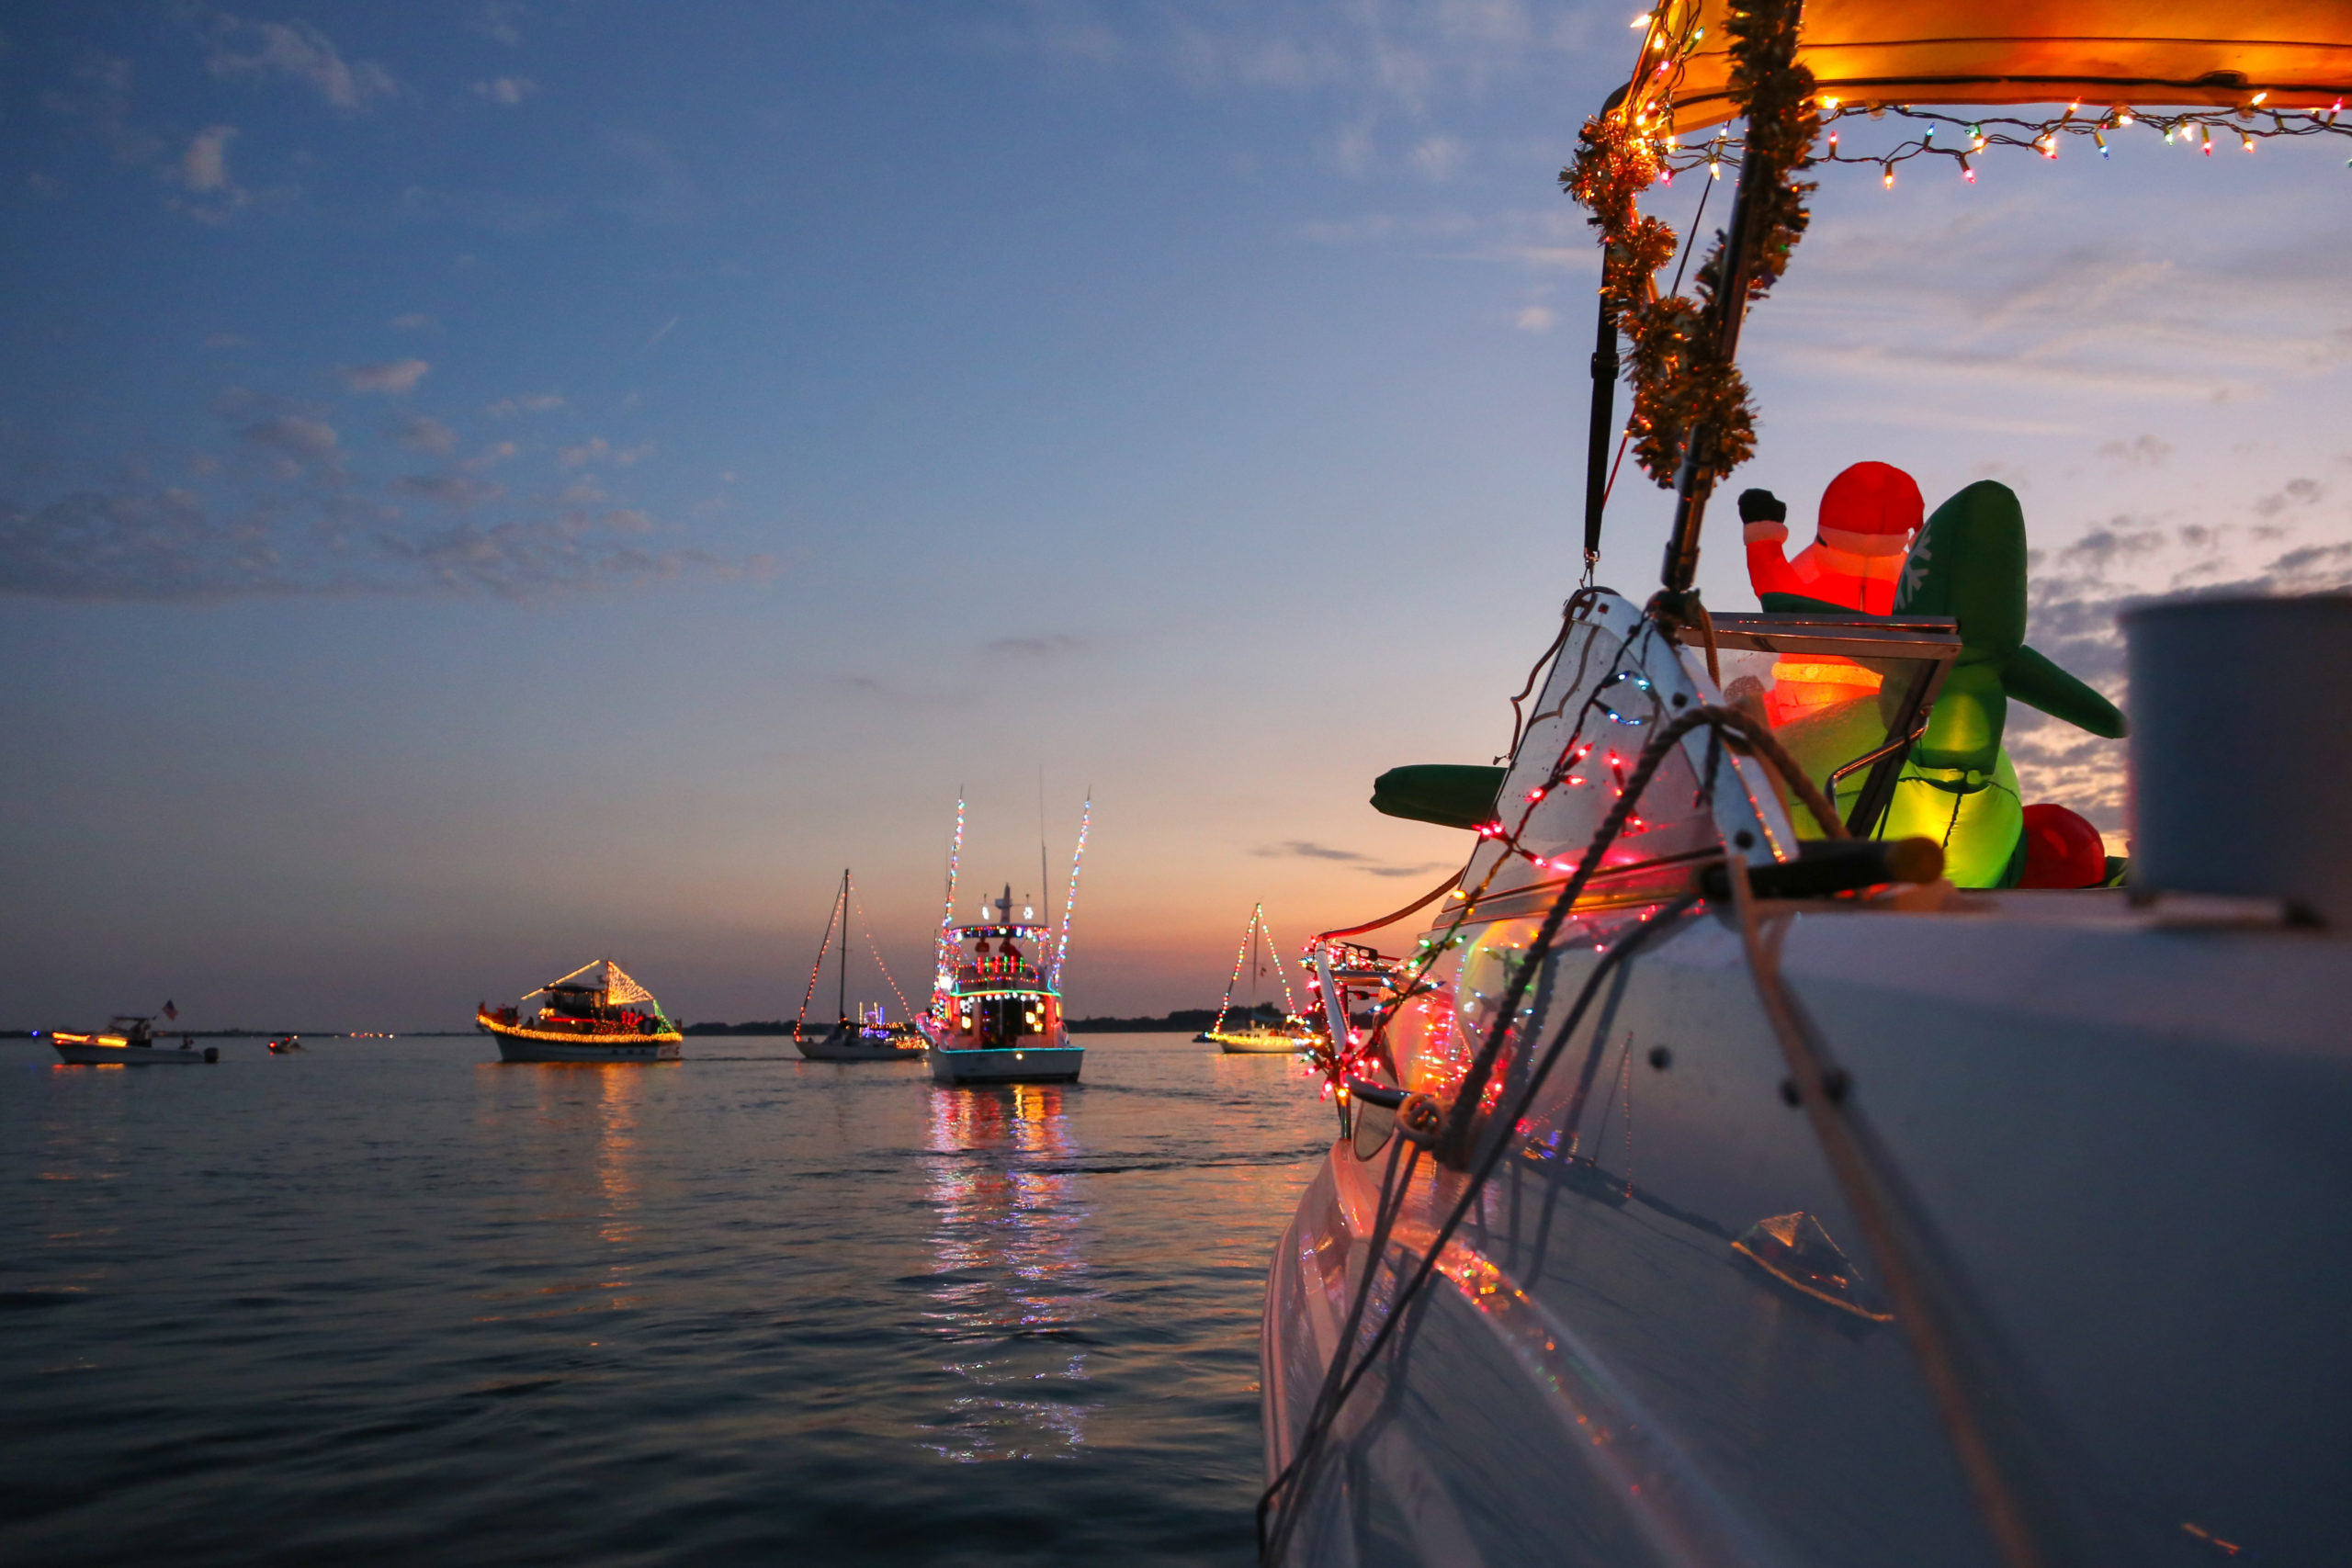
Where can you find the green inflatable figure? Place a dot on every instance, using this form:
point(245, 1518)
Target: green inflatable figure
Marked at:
point(1959, 786)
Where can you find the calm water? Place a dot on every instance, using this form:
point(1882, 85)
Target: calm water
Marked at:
point(391, 1301)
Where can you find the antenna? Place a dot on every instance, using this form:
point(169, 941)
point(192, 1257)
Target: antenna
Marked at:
point(1045, 878)
point(948, 918)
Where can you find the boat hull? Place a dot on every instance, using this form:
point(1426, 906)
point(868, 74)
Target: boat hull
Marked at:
point(1026, 1063)
point(1257, 1044)
point(92, 1053)
point(534, 1045)
point(833, 1048)
point(2123, 1142)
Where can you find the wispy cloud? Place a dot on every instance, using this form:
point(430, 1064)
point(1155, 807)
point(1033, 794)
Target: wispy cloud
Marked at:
point(1045, 645)
point(532, 403)
point(396, 377)
point(414, 322)
point(296, 51)
point(418, 432)
point(205, 166)
point(596, 452)
point(506, 90)
point(1307, 848)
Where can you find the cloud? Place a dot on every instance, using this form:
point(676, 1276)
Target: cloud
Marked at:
point(1436, 157)
point(295, 435)
point(414, 322)
point(507, 90)
point(497, 21)
point(2147, 451)
point(205, 164)
point(397, 377)
point(451, 489)
point(420, 433)
point(1536, 318)
point(301, 52)
point(534, 402)
point(596, 451)
point(1307, 850)
point(1047, 645)
point(228, 340)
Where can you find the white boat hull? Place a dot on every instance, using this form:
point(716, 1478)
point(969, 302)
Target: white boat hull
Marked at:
point(1258, 1044)
point(619, 1048)
point(1026, 1063)
point(98, 1054)
point(834, 1048)
point(2126, 1144)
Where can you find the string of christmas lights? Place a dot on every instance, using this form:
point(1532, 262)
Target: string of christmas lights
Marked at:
point(1069, 899)
point(944, 960)
point(876, 948)
point(824, 945)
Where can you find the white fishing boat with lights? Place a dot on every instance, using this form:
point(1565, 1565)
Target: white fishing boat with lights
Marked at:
point(996, 1003)
point(1718, 1181)
point(128, 1040)
point(869, 1036)
point(597, 1014)
point(1253, 1035)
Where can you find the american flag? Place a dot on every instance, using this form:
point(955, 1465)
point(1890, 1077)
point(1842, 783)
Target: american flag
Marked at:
point(170, 1011)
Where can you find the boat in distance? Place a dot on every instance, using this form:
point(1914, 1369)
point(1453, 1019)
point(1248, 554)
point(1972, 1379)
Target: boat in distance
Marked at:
point(602, 1017)
point(996, 1004)
point(1255, 1036)
point(129, 1042)
point(869, 1036)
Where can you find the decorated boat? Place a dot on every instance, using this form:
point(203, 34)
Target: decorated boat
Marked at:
point(1253, 1035)
point(597, 1014)
point(1779, 1144)
point(128, 1040)
point(996, 1001)
point(286, 1046)
point(869, 1036)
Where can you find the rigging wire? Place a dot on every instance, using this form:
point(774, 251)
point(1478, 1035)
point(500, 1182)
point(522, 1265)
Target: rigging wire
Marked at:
point(824, 945)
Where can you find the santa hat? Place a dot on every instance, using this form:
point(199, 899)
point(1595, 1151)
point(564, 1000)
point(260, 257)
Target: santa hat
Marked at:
point(1872, 509)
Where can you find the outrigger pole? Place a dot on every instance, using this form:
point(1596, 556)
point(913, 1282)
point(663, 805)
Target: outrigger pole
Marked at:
point(1069, 899)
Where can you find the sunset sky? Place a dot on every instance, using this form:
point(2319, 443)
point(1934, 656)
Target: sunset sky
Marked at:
point(488, 486)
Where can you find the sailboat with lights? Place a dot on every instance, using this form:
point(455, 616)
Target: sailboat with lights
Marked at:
point(597, 1014)
point(996, 1001)
point(1718, 1183)
point(869, 1036)
point(1256, 1037)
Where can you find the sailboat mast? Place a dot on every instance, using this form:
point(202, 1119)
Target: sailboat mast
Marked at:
point(842, 1002)
point(1257, 914)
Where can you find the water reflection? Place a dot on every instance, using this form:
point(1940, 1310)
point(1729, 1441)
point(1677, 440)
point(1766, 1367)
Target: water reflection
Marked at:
point(1011, 1289)
point(585, 1149)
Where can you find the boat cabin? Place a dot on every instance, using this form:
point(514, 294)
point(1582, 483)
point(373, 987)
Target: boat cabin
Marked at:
point(993, 991)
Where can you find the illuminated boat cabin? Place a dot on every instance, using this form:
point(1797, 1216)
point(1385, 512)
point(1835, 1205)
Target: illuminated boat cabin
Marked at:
point(990, 993)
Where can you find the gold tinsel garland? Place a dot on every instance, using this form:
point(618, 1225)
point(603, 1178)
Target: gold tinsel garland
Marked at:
point(1679, 375)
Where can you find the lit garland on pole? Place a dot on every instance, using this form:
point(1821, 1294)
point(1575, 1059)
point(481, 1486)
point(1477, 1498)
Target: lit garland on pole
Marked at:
point(943, 960)
point(824, 945)
point(1069, 899)
point(1681, 380)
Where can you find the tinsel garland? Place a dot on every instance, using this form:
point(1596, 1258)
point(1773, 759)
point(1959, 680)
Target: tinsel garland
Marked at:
point(1675, 367)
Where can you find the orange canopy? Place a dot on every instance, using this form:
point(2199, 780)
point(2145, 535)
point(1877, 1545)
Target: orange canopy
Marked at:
point(2140, 53)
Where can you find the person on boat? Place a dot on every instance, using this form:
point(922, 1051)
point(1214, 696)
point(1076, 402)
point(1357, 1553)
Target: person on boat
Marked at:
point(1867, 516)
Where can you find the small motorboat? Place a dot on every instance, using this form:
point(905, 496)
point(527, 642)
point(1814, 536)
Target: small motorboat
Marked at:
point(286, 1046)
point(868, 1037)
point(129, 1040)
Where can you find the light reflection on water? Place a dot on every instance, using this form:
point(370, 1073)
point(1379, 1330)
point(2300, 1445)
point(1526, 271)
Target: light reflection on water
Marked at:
point(1011, 1275)
point(392, 1303)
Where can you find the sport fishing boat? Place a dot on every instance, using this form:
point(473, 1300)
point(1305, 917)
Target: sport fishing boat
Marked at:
point(996, 1001)
point(1255, 1037)
point(1733, 1170)
point(597, 1014)
point(128, 1040)
point(867, 1037)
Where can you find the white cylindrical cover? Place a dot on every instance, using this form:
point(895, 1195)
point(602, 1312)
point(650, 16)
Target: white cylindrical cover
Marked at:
point(2241, 750)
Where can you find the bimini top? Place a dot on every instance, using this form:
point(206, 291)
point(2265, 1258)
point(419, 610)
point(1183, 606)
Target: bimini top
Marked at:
point(2274, 54)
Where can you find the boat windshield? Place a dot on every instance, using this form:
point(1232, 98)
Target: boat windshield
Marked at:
point(1846, 696)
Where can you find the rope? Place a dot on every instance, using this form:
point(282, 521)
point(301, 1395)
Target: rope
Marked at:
point(1872, 1195)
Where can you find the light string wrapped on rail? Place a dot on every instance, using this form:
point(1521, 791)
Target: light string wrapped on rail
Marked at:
point(1298, 1476)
